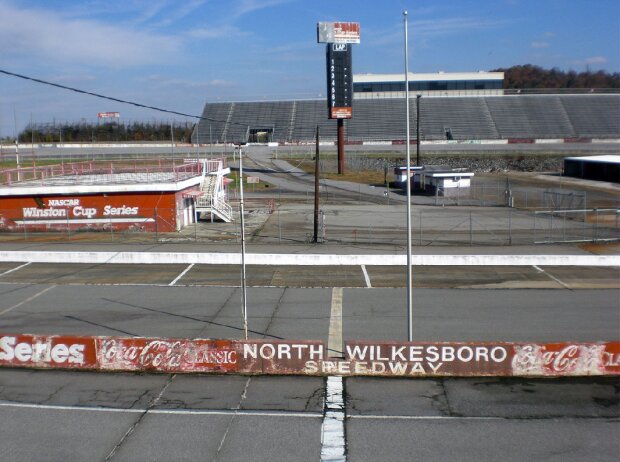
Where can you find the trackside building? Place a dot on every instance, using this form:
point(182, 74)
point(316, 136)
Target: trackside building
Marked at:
point(87, 197)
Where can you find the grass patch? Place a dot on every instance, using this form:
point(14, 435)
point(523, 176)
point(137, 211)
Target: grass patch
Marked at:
point(374, 177)
point(262, 185)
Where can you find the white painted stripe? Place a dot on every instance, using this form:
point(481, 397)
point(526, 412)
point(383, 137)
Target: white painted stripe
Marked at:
point(15, 269)
point(197, 412)
point(430, 417)
point(305, 259)
point(366, 277)
point(551, 276)
point(333, 443)
point(334, 340)
point(29, 299)
point(250, 413)
point(182, 274)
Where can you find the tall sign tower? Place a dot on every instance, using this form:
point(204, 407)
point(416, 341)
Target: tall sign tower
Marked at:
point(339, 36)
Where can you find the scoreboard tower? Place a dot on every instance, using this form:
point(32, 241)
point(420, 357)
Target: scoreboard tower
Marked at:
point(339, 36)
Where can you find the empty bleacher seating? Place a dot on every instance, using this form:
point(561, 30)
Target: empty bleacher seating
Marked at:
point(458, 118)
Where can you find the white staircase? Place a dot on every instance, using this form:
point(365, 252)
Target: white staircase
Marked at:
point(213, 200)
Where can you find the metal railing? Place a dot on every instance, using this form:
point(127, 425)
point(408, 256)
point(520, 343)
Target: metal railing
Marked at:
point(101, 173)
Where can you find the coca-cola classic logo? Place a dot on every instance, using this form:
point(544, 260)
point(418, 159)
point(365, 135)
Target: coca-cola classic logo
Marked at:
point(566, 359)
point(162, 354)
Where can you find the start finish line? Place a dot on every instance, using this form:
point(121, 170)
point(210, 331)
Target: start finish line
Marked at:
point(306, 357)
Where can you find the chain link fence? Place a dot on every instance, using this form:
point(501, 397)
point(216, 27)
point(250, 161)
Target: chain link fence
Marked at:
point(270, 222)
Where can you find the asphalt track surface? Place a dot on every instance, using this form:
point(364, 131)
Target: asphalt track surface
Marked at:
point(60, 416)
point(55, 415)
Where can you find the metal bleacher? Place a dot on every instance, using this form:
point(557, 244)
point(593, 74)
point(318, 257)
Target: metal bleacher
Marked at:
point(594, 116)
point(465, 118)
point(530, 116)
point(458, 118)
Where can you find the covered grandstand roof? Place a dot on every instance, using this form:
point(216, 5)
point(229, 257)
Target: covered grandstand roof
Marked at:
point(429, 77)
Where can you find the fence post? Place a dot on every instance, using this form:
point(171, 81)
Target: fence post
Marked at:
point(156, 230)
point(564, 228)
point(509, 226)
point(526, 199)
point(471, 231)
point(279, 225)
point(551, 227)
point(595, 225)
point(420, 227)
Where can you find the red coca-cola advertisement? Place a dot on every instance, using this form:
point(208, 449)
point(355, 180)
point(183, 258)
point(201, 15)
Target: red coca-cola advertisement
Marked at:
point(167, 355)
point(309, 357)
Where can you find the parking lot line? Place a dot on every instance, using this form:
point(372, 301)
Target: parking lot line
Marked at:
point(17, 305)
point(551, 276)
point(181, 275)
point(196, 412)
point(366, 277)
point(15, 269)
point(334, 341)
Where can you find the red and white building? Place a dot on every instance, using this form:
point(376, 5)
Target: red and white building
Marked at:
point(107, 196)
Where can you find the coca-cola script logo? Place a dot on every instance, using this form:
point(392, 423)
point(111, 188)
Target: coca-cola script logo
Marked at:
point(564, 359)
point(163, 355)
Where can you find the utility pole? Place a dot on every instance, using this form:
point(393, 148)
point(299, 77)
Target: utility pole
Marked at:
point(417, 128)
point(317, 165)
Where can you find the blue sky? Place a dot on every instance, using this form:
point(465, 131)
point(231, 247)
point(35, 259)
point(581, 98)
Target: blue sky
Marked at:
point(181, 54)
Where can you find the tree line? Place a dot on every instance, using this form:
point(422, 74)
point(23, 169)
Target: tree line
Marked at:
point(530, 76)
point(85, 132)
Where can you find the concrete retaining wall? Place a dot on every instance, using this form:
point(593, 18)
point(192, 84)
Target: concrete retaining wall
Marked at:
point(305, 260)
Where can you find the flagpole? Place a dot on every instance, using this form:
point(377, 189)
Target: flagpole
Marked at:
point(408, 150)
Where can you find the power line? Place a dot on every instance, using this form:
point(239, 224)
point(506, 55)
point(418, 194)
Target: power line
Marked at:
point(110, 98)
point(118, 100)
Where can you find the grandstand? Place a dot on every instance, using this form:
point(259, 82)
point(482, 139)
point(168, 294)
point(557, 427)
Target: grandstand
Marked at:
point(524, 116)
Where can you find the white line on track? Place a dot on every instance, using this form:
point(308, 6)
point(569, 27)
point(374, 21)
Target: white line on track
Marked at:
point(250, 413)
point(334, 340)
point(233, 416)
point(197, 412)
point(15, 269)
point(181, 275)
point(425, 417)
point(366, 277)
point(540, 270)
point(29, 299)
point(333, 442)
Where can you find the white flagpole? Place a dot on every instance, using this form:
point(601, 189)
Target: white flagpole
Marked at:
point(409, 275)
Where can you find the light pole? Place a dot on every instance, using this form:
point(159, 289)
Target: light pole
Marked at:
point(417, 128)
point(244, 310)
point(408, 150)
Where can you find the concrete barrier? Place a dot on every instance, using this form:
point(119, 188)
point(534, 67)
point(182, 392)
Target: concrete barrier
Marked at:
point(310, 357)
point(304, 259)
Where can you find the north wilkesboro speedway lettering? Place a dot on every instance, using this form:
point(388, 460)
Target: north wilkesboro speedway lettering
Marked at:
point(309, 357)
